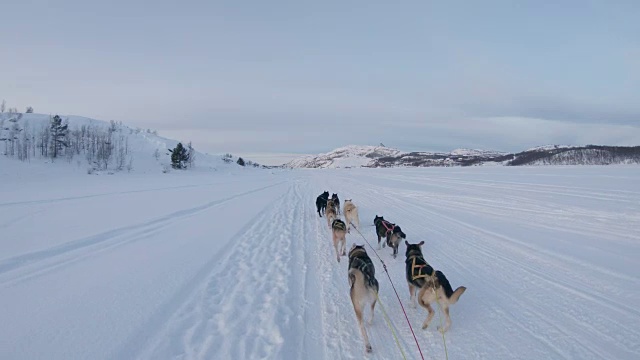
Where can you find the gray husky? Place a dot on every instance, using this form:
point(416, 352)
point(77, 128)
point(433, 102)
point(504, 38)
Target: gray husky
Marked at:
point(364, 286)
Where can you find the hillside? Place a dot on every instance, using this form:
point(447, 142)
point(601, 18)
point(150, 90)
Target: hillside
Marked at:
point(380, 157)
point(92, 145)
point(344, 157)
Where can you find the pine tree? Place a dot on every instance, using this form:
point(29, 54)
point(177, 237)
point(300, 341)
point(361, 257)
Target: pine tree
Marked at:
point(241, 162)
point(179, 157)
point(58, 135)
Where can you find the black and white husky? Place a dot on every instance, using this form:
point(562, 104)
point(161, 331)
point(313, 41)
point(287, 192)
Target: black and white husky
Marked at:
point(431, 284)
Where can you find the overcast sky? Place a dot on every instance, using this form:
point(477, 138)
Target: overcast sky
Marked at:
point(308, 76)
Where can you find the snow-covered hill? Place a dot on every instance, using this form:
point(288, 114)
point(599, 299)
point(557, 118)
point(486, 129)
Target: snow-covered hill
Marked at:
point(476, 152)
point(376, 157)
point(345, 157)
point(22, 135)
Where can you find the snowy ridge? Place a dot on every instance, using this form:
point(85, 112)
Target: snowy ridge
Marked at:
point(550, 147)
point(381, 157)
point(344, 157)
point(476, 152)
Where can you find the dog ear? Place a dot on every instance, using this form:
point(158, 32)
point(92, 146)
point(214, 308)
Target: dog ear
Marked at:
point(406, 242)
point(421, 243)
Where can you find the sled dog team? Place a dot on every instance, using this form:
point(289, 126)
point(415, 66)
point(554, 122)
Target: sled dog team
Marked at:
point(431, 285)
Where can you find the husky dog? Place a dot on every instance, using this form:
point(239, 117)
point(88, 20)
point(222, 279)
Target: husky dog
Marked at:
point(350, 212)
point(383, 228)
point(432, 285)
point(364, 286)
point(336, 201)
point(330, 212)
point(391, 232)
point(339, 230)
point(393, 239)
point(321, 202)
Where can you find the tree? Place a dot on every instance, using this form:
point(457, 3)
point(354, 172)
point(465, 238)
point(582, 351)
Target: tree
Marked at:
point(58, 135)
point(29, 110)
point(3, 106)
point(240, 162)
point(191, 155)
point(179, 157)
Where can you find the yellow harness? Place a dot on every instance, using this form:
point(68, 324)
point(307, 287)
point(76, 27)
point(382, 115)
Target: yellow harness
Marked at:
point(420, 267)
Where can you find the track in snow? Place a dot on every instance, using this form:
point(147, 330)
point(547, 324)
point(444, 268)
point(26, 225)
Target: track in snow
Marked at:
point(246, 269)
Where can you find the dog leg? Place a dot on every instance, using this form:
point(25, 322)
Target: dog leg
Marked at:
point(412, 296)
point(423, 299)
point(367, 345)
point(447, 322)
point(373, 305)
point(425, 324)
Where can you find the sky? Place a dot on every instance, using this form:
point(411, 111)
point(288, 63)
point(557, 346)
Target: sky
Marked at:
point(297, 77)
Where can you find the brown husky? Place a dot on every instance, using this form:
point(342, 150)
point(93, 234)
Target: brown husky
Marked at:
point(432, 285)
point(330, 212)
point(364, 286)
point(350, 212)
point(339, 230)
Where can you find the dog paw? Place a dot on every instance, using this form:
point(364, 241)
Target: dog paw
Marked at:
point(442, 330)
point(413, 305)
point(368, 348)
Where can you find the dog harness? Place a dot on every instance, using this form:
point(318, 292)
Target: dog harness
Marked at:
point(339, 225)
point(420, 268)
point(365, 265)
point(387, 225)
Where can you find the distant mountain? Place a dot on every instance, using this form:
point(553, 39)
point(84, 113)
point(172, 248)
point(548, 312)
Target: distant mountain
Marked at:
point(578, 155)
point(344, 157)
point(379, 156)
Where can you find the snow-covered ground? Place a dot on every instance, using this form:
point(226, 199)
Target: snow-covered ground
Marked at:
point(237, 264)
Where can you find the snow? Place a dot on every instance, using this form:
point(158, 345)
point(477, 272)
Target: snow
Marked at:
point(142, 145)
point(475, 152)
point(346, 156)
point(550, 147)
point(236, 264)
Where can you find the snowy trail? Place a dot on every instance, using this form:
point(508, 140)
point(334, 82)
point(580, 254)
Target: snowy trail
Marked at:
point(255, 295)
point(241, 267)
point(121, 286)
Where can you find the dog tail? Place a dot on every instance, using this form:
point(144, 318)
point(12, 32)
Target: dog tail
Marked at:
point(451, 295)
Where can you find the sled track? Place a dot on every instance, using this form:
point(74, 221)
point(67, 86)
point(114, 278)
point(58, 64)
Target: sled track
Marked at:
point(254, 296)
point(43, 261)
point(82, 197)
